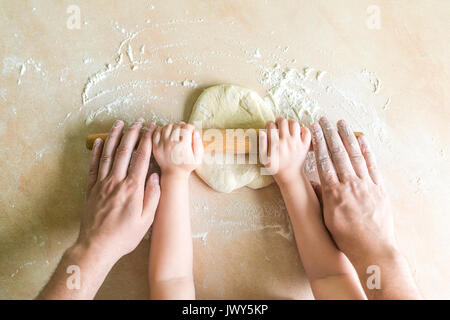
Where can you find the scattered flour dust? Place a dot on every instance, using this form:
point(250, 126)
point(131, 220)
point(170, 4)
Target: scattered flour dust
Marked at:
point(20, 66)
point(288, 94)
point(354, 96)
point(12, 275)
point(201, 235)
point(241, 216)
point(302, 94)
point(95, 99)
point(3, 94)
point(189, 83)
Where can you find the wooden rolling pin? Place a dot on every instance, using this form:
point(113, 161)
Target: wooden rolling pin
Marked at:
point(240, 145)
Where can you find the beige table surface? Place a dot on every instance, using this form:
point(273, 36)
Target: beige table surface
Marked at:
point(242, 241)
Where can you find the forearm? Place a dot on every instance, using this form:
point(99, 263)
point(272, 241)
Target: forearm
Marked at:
point(325, 266)
point(319, 255)
point(389, 276)
point(79, 274)
point(170, 266)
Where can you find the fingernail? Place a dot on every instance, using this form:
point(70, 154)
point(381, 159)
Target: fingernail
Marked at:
point(154, 178)
point(138, 122)
point(97, 142)
point(362, 139)
point(316, 126)
point(118, 123)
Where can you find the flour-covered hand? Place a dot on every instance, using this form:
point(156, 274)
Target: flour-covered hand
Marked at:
point(120, 202)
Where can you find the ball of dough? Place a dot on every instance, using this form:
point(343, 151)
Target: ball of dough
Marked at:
point(231, 107)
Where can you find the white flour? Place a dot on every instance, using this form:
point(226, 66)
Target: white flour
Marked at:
point(300, 94)
point(201, 236)
point(15, 64)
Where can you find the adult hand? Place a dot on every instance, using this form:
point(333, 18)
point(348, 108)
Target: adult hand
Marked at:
point(120, 203)
point(356, 211)
point(355, 205)
point(120, 207)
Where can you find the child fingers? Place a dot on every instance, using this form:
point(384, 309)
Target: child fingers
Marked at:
point(156, 136)
point(152, 194)
point(125, 150)
point(283, 127)
point(109, 148)
point(294, 128)
point(274, 142)
point(186, 132)
point(306, 136)
point(186, 135)
point(353, 149)
point(197, 147)
point(166, 131)
point(176, 131)
point(262, 142)
point(271, 131)
point(94, 163)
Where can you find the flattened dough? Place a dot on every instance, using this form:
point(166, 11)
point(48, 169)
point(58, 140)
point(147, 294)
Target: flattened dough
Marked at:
point(231, 107)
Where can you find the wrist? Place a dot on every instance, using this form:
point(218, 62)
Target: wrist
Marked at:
point(88, 252)
point(380, 255)
point(175, 175)
point(392, 271)
point(293, 181)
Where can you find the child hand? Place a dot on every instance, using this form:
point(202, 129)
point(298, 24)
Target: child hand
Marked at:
point(283, 148)
point(178, 149)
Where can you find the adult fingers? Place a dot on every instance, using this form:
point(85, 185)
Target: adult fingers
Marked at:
point(353, 149)
point(94, 163)
point(109, 148)
point(283, 127)
point(141, 157)
point(325, 167)
point(151, 197)
point(125, 150)
point(338, 153)
point(370, 160)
